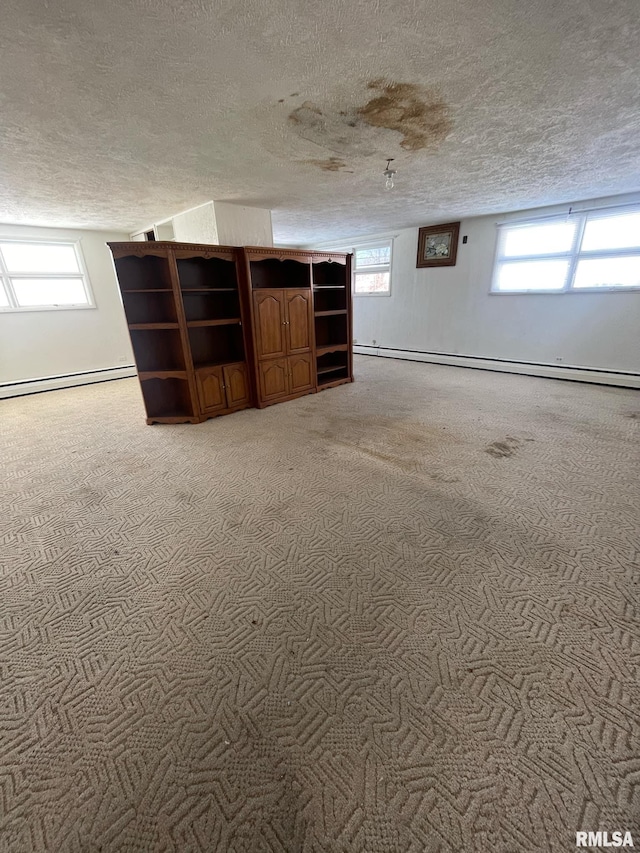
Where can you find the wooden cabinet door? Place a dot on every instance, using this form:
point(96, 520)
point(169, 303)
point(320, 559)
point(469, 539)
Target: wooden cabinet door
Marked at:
point(270, 323)
point(211, 389)
point(274, 378)
point(236, 385)
point(301, 373)
point(298, 319)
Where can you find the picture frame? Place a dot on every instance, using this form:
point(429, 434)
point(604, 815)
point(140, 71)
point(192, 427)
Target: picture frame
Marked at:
point(438, 245)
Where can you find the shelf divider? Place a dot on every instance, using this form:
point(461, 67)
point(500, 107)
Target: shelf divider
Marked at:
point(230, 321)
point(153, 325)
point(323, 350)
point(162, 374)
point(146, 290)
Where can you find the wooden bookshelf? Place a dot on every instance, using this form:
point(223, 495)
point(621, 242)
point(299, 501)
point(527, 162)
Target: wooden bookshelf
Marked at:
point(184, 309)
point(215, 329)
point(331, 281)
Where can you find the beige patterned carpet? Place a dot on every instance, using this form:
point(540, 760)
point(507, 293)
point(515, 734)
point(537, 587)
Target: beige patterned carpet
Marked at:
point(401, 615)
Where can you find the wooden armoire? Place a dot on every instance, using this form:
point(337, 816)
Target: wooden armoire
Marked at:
point(215, 329)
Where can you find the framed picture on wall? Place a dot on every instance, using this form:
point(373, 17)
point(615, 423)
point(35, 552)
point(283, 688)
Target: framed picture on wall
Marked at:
point(438, 245)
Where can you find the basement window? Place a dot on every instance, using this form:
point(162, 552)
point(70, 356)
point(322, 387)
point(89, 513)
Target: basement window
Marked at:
point(38, 276)
point(583, 252)
point(372, 269)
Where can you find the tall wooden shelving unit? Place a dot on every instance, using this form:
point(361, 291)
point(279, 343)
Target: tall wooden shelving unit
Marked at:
point(185, 310)
point(215, 329)
point(282, 317)
point(332, 315)
point(213, 310)
point(147, 284)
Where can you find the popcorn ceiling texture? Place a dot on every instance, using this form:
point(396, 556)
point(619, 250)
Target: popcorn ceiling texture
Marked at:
point(119, 114)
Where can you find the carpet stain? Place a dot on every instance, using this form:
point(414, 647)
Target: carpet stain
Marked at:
point(442, 477)
point(503, 449)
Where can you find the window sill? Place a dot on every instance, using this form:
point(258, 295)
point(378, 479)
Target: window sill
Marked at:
point(12, 310)
point(582, 290)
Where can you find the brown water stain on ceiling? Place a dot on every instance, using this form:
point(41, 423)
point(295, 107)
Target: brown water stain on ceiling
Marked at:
point(417, 113)
point(331, 164)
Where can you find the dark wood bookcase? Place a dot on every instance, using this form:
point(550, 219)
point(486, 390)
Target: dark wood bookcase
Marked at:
point(332, 316)
point(215, 329)
point(185, 312)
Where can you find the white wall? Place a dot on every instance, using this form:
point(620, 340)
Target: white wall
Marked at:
point(197, 225)
point(243, 226)
point(35, 344)
point(450, 310)
point(216, 223)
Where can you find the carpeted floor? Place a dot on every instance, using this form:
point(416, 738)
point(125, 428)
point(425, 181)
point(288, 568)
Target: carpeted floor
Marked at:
point(401, 615)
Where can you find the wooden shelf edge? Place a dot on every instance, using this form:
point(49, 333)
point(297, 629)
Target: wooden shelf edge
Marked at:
point(333, 369)
point(174, 419)
point(146, 290)
point(139, 326)
point(281, 286)
point(332, 348)
point(322, 386)
point(335, 312)
point(145, 247)
point(209, 365)
point(192, 251)
point(195, 324)
point(230, 410)
point(319, 257)
point(265, 253)
point(143, 375)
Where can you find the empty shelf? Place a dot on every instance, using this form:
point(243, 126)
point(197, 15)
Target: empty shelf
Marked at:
point(332, 348)
point(153, 326)
point(230, 321)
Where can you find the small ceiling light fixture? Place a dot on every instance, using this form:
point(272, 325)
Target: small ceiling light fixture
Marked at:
point(389, 173)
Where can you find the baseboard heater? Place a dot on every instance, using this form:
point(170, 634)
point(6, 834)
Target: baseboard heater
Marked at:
point(68, 380)
point(625, 379)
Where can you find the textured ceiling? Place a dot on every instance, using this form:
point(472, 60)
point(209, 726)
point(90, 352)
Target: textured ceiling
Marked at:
point(122, 113)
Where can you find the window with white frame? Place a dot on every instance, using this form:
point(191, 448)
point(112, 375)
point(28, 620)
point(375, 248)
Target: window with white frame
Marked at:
point(372, 269)
point(36, 275)
point(580, 252)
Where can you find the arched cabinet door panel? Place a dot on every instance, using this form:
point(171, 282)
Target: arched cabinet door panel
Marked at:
point(211, 389)
point(270, 323)
point(236, 385)
point(274, 378)
point(298, 320)
point(301, 373)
